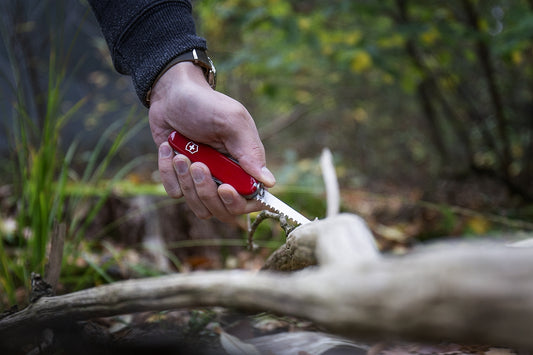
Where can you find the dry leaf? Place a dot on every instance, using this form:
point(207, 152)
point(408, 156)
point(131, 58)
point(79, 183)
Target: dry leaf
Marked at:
point(312, 343)
point(234, 346)
point(500, 351)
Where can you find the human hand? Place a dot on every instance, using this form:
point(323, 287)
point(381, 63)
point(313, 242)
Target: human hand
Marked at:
point(182, 100)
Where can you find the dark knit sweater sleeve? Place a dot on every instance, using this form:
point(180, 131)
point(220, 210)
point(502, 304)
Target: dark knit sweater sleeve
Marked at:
point(145, 35)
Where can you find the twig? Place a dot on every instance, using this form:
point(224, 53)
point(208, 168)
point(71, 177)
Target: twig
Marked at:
point(265, 214)
point(53, 267)
point(330, 181)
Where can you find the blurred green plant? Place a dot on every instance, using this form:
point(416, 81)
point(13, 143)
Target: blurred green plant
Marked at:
point(41, 187)
point(42, 172)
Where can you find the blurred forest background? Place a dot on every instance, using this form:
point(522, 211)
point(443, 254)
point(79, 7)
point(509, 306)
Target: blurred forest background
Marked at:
point(425, 105)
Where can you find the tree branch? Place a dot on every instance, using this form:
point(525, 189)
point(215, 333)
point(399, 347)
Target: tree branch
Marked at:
point(333, 195)
point(479, 294)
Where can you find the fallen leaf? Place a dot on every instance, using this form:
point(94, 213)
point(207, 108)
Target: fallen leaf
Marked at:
point(312, 343)
point(500, 351)
point(234, 346)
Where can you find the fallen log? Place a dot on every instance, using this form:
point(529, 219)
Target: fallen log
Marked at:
point(471, 294)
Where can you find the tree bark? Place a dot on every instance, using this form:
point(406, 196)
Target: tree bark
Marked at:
point(484, 57)
point(472, 294)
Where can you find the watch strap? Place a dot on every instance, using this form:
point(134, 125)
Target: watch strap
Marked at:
point(198, 57)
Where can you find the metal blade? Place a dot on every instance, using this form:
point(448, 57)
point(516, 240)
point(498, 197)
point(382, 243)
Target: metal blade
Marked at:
point(274, 203)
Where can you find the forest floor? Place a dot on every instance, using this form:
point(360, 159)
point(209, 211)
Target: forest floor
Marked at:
point(399, 222)
point(214, 331)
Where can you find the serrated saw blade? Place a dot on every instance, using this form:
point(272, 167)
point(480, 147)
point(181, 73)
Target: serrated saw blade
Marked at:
point(275, 204)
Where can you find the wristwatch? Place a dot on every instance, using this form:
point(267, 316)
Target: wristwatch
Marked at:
point(198, 57)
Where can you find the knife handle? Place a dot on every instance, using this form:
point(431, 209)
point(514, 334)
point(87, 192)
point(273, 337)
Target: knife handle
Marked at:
point(223, 168)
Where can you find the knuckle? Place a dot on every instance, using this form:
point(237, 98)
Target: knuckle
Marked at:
point(236, 113)
point(239, 110)
point(234, 209)
point(207, 191)
point(174, 192)
point(186, 189)
point(203, 214)
point(206, 195)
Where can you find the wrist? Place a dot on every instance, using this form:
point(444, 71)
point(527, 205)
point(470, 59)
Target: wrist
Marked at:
point(180, 74)
point(196, 56)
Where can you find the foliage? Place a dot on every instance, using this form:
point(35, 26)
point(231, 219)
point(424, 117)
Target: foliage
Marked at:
point(401, 89)
point(41, 176)
point(42, 170)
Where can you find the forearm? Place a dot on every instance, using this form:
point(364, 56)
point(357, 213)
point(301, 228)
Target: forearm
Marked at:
point(143, 36)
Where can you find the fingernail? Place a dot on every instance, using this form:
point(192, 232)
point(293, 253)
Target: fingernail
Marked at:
point(226, 196)
point(268, 178)
point(181, 167)
point(164, 151)
point(197, 175)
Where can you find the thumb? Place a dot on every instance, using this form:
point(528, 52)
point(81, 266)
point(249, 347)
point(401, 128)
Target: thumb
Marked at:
point(251, 156)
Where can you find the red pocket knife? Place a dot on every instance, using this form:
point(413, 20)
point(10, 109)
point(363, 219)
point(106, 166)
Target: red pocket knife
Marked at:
point(226, 170)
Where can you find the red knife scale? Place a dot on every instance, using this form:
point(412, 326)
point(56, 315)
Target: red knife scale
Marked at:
point(223, 168)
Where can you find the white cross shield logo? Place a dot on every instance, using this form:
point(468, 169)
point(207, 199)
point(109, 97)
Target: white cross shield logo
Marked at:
point(191, 147)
